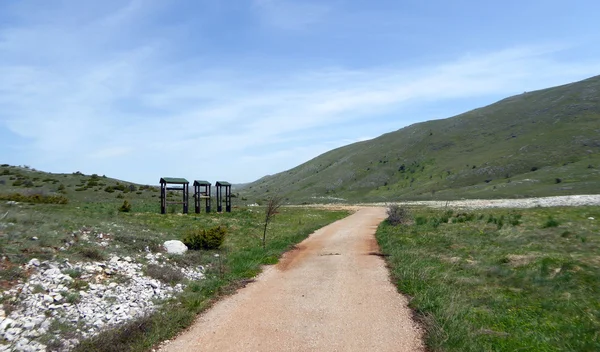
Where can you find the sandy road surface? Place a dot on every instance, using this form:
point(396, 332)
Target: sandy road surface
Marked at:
point(330, 294)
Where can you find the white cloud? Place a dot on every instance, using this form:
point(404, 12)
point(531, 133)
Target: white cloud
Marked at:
point(131, 114)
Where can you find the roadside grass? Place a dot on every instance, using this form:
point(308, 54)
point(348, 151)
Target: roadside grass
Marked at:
point(500, 280)
point(228, 269)
point(90, 228)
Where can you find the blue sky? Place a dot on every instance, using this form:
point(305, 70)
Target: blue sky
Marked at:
point(235, 90)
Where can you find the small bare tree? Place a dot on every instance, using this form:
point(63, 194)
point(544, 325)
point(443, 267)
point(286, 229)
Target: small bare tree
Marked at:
point(272, 208)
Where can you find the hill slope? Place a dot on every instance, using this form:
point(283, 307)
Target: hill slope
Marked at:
point(539, 143)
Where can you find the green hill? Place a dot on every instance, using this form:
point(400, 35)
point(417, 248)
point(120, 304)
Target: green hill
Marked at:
point(539, 143)
point(76, 188)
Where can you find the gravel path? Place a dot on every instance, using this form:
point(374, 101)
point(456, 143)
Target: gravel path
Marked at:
point(329, 294)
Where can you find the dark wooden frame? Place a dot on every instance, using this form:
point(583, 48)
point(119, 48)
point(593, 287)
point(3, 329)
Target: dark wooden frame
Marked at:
point(199, 194)
point(220, 185)
point(163, 192)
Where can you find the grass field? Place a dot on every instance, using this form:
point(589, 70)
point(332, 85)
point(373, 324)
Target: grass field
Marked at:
point(55, 232)
point(500, 280)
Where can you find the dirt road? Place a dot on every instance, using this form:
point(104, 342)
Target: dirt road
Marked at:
point(330, 294)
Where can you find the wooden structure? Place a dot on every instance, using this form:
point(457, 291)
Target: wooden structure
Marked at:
point(164, 189)
point(200, 194)
point(220, 185)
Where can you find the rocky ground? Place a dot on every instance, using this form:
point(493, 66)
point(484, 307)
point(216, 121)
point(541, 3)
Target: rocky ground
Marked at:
point(558, 201)
point(63, 302)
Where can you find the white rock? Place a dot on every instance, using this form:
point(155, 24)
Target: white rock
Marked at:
point(6, 323)
point(34, 262)
point(590, 218)
point(128, 259)
point(34, 238)
point(52, 272)
point(28, 325)
point(48, 298)
point(175, 247)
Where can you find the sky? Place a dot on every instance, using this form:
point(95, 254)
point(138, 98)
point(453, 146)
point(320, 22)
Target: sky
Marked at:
point(239, 89)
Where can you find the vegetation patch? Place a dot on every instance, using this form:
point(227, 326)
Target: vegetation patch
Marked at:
point(212, 238)
point(477, 285)
point(34, 198)
point(165, 273)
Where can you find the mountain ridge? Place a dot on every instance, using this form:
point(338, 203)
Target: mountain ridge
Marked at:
point(475, 154)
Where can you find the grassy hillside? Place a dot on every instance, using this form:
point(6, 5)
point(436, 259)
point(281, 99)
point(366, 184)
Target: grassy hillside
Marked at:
point(539, 143)
point(82, 228)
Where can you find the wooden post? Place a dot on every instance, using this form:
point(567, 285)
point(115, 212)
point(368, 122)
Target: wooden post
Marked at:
point(196, 198)
point(219, 200)
point(228, 198)
point(208, 200)
point(185, 198)
point(163, 198)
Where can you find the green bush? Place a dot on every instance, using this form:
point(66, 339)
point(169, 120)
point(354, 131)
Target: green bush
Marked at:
point(34, 198)
point(550, 222)
point(126, 207)
point(211, 238)
point(421, 220)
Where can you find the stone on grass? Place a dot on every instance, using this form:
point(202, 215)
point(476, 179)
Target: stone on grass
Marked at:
point(175, 247)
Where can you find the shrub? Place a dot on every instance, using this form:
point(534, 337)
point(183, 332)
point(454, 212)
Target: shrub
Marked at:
point(165, 274)
point(91, 253)
point(446, 216)
point(211, 238)
point(35, 198)
point(514, 219)
point(126, 207)
point(550, 222)
point(534, 168)
point(397, 215)
point(557, 180)
point(421, 220)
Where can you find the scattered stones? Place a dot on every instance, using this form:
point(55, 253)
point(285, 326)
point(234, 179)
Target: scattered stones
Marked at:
point(49, 296)
point(175, 247)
